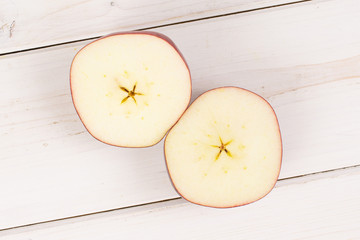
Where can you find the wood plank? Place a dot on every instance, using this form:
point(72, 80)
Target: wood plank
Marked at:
point(51, 168)
point(308, 208)
point(23, 26)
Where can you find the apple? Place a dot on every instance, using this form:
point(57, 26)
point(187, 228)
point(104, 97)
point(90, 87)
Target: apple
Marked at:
point(130, 88)
point(225, 150)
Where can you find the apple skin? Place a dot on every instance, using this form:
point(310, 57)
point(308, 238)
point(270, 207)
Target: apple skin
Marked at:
point(167, 168)
point(156, 34)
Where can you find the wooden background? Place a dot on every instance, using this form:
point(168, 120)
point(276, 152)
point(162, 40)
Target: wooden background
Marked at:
point(57, 182)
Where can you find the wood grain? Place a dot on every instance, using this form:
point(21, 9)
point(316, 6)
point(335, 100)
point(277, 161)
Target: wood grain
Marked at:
point(308, 208)
point(51, 168)
point(28, 24)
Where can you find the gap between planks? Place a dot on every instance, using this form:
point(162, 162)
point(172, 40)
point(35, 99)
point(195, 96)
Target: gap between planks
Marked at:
point(161, 26)
point(300, 179)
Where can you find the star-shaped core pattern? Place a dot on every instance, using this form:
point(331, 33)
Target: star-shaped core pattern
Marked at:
point(222, 148)
point(131, 93)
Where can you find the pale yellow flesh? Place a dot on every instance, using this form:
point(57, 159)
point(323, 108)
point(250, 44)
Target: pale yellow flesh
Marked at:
point(102, 70)
point(243, 121)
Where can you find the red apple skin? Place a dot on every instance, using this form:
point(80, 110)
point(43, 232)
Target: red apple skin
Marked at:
point(172, 182)
point(156, 34)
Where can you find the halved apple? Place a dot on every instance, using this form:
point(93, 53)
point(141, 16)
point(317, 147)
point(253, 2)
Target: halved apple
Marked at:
point(130, 88)
point(225, 150)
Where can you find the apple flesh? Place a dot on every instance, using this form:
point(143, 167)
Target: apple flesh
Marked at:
point(226, 149)
point(130, 88)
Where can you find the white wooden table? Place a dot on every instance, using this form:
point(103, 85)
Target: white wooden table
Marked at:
point(57, 182)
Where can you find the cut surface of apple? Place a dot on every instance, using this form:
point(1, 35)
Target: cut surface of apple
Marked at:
point(225, 150)
point(130, 88)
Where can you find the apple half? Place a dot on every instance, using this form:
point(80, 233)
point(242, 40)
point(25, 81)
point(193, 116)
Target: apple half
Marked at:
point(225, 150)
point(130, 88)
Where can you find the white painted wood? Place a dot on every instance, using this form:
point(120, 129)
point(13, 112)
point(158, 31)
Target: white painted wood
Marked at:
point(51, 168)
point(318, 209)
point(27, 24)
point(320, 126)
